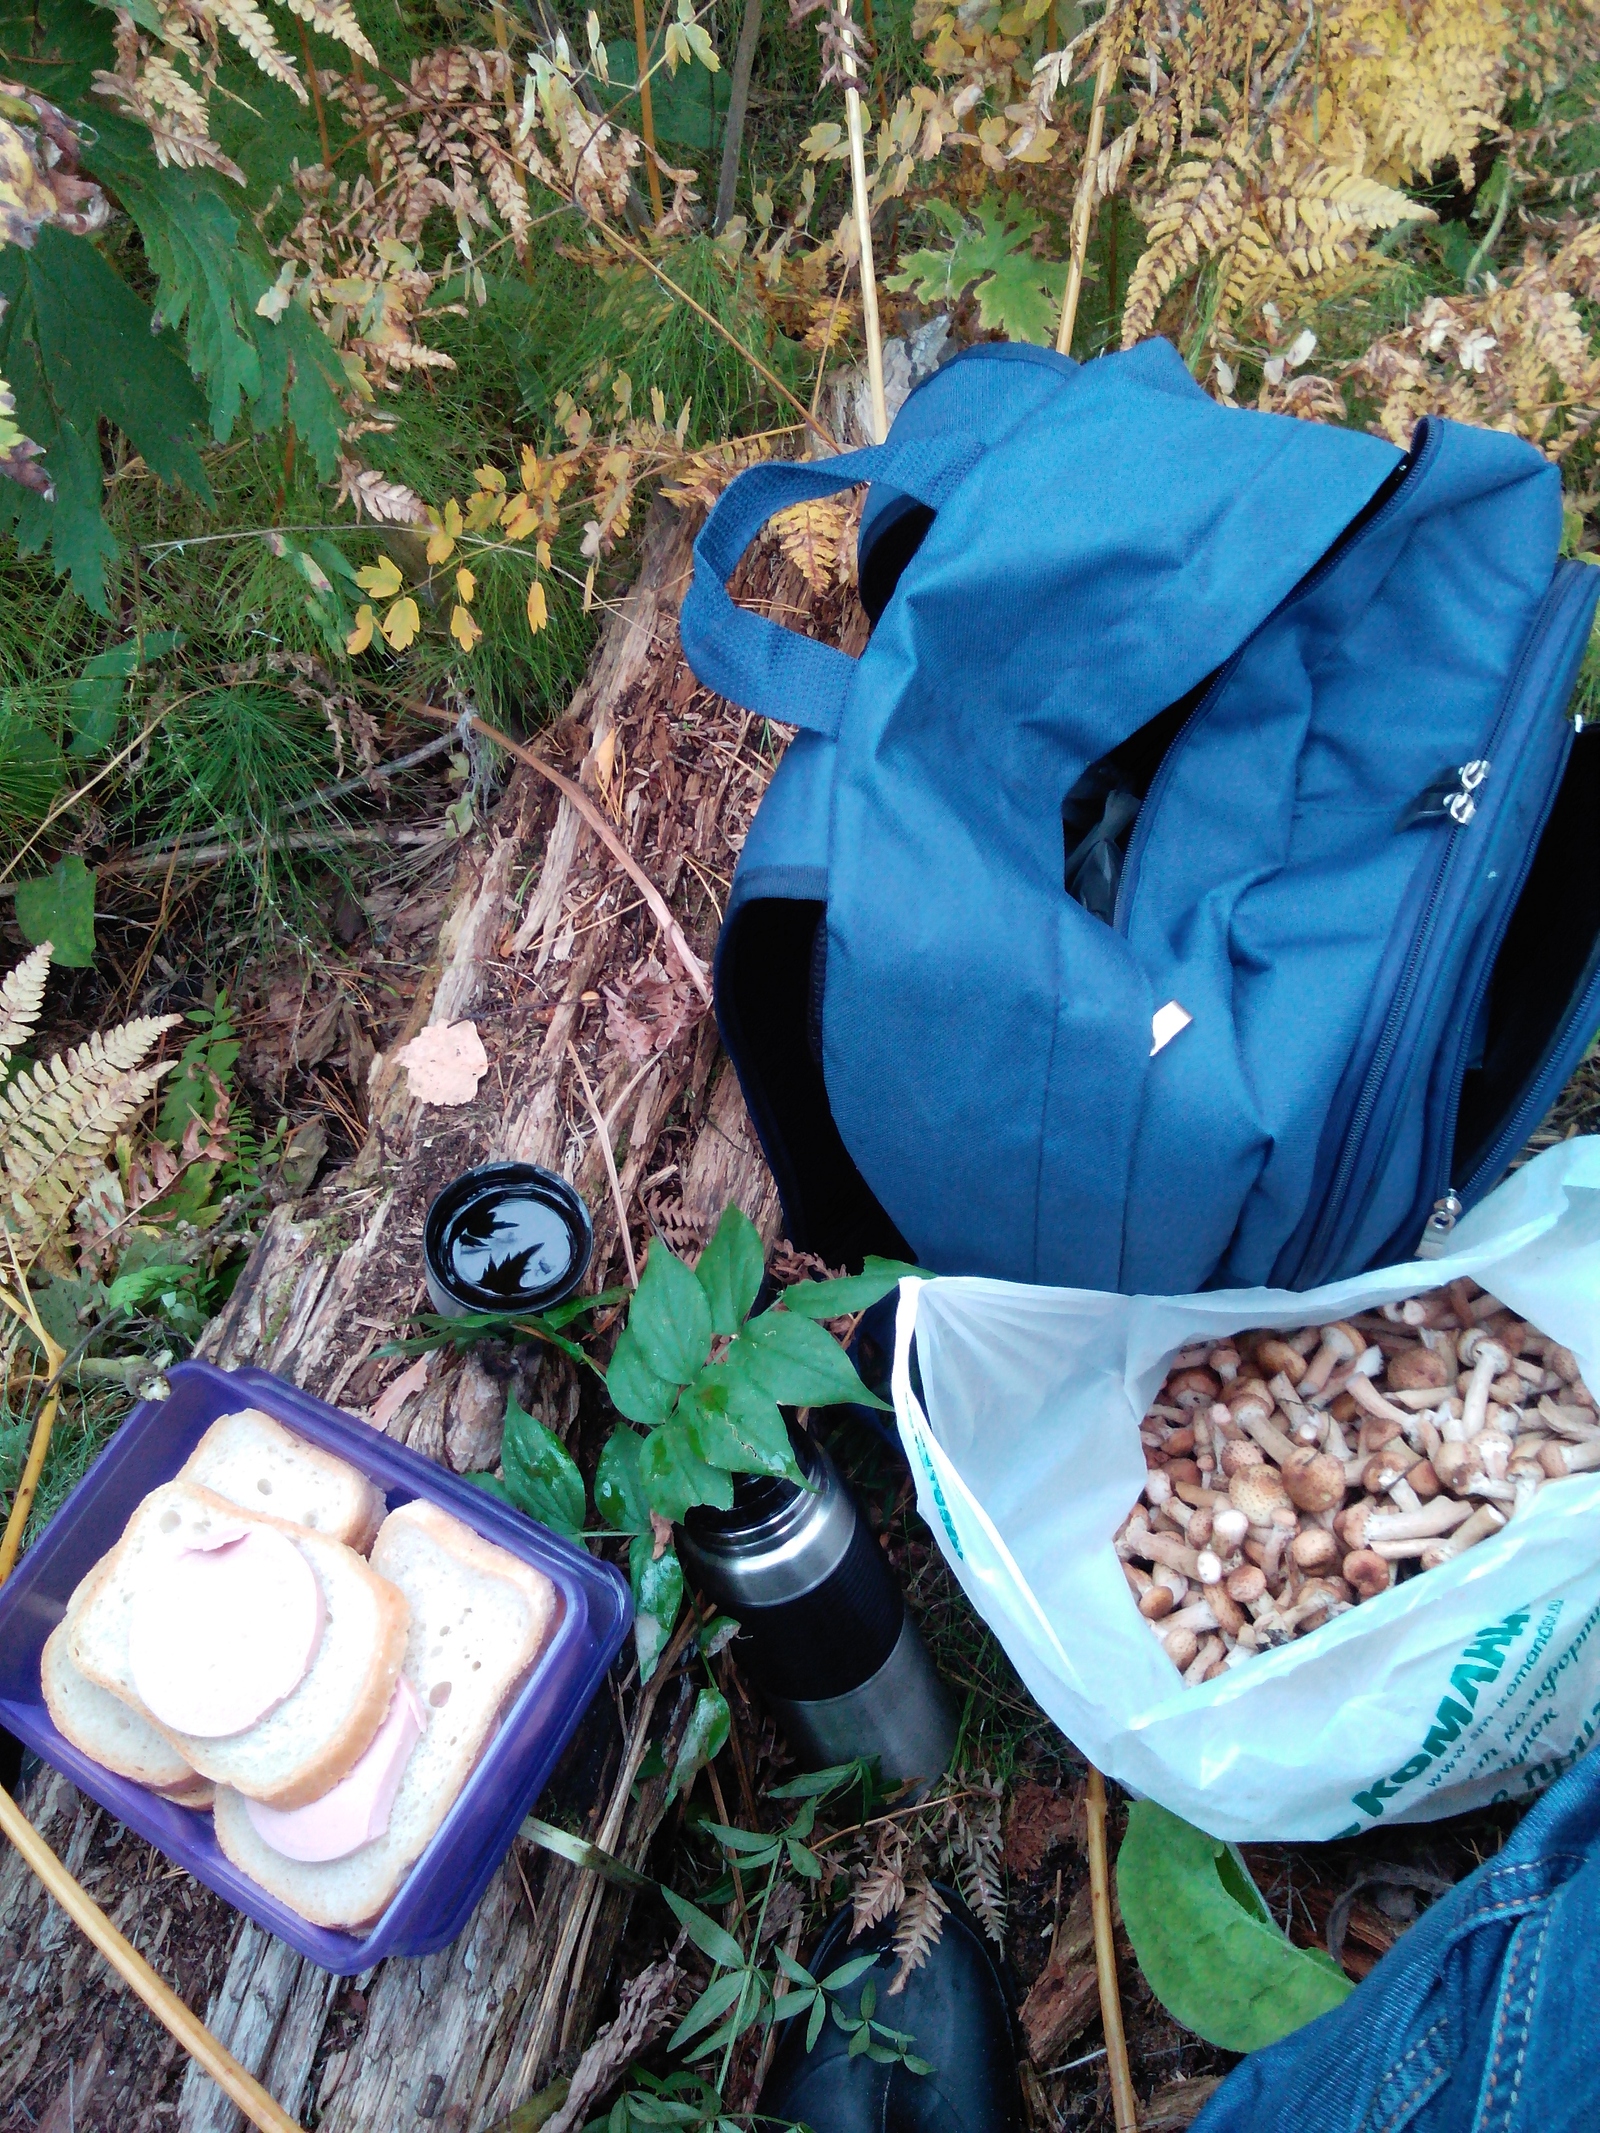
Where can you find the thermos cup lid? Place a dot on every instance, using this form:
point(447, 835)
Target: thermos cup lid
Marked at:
point(506, 1237)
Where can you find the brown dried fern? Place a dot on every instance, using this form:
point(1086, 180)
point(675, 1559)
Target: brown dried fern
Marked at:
point(880, 1887)
point(917, 1929)
point(974, 1849)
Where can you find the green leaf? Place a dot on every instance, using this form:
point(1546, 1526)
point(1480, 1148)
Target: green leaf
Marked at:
point(1219, 1965)
point(636, 1390)
point(688, 108)
point(706, 1934)
point(703, 1740)
point(748, 1843)
point(850, 1292)
point(618, 1489)
point(803, 1859)
point(79, 347)
point(847, 1973)
point(676, 1478)
point(95, 699)
point(540, 1475)
point(797, 1363)
point(712, 2004)
point(670, 1318)
point(1019, 294)
point(657, 1583)
point(730, 1270)
point(199, 251)
point(60, 909)
point(734, 1424)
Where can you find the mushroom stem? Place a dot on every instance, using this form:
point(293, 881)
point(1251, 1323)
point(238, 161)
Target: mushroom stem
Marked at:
point(1484, 1521)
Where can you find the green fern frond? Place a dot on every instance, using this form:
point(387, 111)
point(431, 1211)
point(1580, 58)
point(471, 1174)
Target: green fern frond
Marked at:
point(21, 998)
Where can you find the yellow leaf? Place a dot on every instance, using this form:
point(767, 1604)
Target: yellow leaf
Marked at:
point(538, 611)
point(522, 515)
point(483, 510)
point(440, 547)
point(658, 406)
point(542, 550)
point(382, 579)
point(361, 636)
point(401, 623)
point(490, 478)
point(466, 586)
point(462, 627)
point(452, 519)
point(530, 467)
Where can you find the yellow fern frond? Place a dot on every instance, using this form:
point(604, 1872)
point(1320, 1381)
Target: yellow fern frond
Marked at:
point(1197, 216)
point(336, 19)
point(58, 1120)
point(244, 21)
point(1427, 81)
point(811, 536)
point(21, 998)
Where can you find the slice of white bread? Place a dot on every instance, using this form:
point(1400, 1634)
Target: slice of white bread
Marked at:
point(103, 1726)
point(307, 1743)
point(479, 1619)
point(252, 1460)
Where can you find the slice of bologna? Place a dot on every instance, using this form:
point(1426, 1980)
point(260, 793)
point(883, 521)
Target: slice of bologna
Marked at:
point(357, 1809)
point(221, 1634)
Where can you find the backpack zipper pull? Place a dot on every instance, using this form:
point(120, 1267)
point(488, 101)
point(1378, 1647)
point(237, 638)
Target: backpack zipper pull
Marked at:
point(1450, 798)
point(1436, 1231)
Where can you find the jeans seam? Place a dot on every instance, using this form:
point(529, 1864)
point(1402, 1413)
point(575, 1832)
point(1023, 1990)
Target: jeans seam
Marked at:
point(1533, 1956)
point(1415, 2094)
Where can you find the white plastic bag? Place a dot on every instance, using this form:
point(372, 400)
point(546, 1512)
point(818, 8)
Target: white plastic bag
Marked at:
point(1477, 1681)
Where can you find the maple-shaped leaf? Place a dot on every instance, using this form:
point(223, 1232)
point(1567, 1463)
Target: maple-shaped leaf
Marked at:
point(77, 347)
point(1018, 294)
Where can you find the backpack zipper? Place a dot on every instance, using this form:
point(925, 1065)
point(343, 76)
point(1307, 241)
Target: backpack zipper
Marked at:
point(1565, 585)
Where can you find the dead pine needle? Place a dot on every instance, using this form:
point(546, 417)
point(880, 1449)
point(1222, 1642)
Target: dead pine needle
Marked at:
point(603, 1135)
point(1124, 2103)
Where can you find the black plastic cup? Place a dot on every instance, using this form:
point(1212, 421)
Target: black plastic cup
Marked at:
point(508, 1237)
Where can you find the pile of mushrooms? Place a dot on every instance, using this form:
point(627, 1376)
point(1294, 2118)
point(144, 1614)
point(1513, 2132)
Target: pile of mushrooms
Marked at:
point(1294, 1475)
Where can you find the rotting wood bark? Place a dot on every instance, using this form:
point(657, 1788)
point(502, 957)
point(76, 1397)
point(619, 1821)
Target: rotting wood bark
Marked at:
point(451, 2042)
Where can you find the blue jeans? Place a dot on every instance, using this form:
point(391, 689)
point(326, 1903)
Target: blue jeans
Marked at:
point(1485, 2018)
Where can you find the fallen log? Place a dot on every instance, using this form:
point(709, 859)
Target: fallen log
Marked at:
point(547, 947)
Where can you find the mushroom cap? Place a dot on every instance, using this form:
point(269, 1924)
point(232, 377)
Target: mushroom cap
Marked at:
point(1313, 1480)
point(1208, 1567)
point(1344, 1340)
point(1236, 1456)
point(1275, 1355)
point(1158, 1601)
point(1252, 1393)
point(1413, 1369)
point(1191, 1388)
point(1181, 1646)
point(1381, 1472)
point(1351, 1523)
point(1315, 1549)
point(1366, 1574)
point(1247, 1583)
point(1455, 1464)
point(1424, 1480)
point(1258, 1492)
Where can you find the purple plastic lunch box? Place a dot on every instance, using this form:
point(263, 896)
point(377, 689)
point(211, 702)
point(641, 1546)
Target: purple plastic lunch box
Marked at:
point(437, 1897)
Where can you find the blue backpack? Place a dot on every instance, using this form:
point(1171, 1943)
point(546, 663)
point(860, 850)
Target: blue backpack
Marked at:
point(1196, 879)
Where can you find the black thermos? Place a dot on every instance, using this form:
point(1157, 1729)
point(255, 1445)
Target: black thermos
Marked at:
point(825, 1633)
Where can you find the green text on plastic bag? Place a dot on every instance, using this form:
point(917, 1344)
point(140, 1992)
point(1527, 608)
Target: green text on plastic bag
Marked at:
point(1207, 1943)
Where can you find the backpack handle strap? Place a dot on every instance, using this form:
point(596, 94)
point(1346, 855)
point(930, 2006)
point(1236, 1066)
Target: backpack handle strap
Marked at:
point(758, 664)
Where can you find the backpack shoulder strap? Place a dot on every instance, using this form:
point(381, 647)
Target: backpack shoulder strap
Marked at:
point(758, 664)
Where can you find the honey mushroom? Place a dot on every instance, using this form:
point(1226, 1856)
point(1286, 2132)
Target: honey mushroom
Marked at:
point(1292, 1476)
